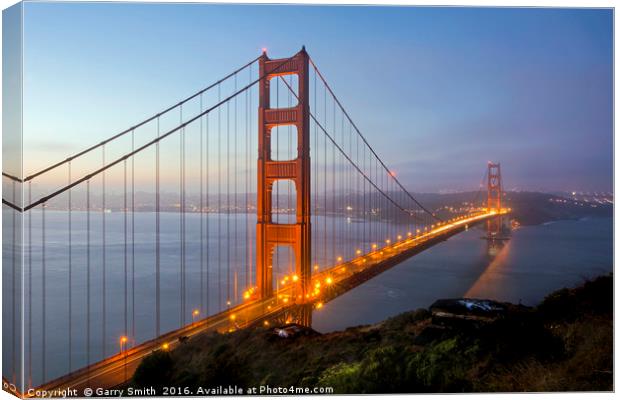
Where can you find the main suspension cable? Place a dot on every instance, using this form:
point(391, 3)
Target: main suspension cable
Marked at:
point(138, 125)
point(366, 142)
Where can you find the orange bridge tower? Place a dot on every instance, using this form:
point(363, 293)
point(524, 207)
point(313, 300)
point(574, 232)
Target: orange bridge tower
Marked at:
point(297, 235)
point(494, 199)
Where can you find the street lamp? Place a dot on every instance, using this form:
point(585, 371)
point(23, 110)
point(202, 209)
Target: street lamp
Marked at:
point(195, 313)
point(122, 341)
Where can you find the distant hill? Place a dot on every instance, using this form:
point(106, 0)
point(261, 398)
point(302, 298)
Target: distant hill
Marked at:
point(529, 208)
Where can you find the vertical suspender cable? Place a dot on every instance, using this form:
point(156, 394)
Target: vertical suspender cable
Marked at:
point(333, 257)
point(357, 188)
point(43, 295)
point(345, 173)
point(133, 241)
point(157, 238)
point(183, 242)
point(181, 226)
point(325, 256)
point(348, 176)
point(247, 190)
point(70, 288)
point(14, 285)
point(103, 294)
point(250, 147)
point(219, 201)
point(88, 274)
point(384, 178)
point(228, 204)
point(202, 238)
point(235, 187)
point(364, 204)
point(125, 328)
point(30, 286)
point(208, 292)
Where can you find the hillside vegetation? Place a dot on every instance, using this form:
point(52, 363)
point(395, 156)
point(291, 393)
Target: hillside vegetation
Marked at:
point(564, 344)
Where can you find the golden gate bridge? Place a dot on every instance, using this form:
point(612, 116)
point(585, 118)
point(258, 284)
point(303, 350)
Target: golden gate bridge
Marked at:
point(111, 257)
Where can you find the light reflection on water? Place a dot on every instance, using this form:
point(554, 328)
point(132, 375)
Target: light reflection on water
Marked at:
point(498, 252)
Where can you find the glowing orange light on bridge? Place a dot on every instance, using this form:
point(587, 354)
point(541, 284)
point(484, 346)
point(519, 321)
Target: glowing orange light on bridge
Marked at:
point(122, 341)
point(165, 346)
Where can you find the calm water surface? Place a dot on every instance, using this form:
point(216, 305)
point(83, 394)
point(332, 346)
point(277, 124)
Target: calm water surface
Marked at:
point(534, 262)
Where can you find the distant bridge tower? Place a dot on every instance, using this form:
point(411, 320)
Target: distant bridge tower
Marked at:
point(494, 199)
point(269, 235)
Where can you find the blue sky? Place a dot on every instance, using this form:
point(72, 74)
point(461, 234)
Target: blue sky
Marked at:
point(450, 87)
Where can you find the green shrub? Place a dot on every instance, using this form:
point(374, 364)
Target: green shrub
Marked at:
point(441, 367)
point(342, 377)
